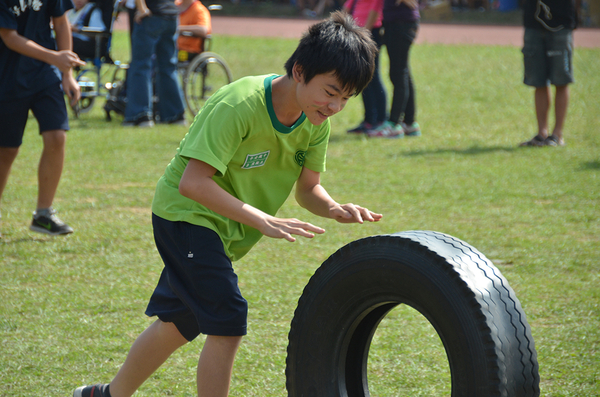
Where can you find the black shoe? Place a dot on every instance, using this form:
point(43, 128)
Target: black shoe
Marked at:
point(177, 121)
point(47, 222)
point(362, 128)
point(98, 390)
point(143, 121)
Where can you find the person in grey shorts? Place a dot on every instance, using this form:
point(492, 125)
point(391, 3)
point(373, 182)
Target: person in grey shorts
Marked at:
point(548, 60)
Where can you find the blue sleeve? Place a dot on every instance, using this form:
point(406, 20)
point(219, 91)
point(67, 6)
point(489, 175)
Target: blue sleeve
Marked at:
point(7, 18)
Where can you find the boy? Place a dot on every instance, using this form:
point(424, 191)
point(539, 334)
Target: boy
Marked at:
point(548, 59)
point(252, 141)
point(28, 81)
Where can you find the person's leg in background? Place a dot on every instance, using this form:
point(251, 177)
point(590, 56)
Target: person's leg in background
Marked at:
point(373, 96)
point(398, 39)
point(402, 35)
point(139, 100)
point(170, 96)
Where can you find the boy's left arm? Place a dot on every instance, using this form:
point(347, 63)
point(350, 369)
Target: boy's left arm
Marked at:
point(64, 41)
point(311, 195)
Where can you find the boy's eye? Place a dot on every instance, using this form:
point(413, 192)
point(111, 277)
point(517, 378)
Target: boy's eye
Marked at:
point(328, 93)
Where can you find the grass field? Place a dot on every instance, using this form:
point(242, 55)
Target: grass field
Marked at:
point(71, 307)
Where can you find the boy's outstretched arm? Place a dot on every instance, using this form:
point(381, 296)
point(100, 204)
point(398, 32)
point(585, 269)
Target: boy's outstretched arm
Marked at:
point(197, 184)
point(63, 60)
point(310, 194)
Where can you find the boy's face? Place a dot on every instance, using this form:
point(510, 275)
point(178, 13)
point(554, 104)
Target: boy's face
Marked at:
point(321, 98)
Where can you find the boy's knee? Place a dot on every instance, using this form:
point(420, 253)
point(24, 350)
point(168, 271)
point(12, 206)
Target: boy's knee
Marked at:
point(54, 138)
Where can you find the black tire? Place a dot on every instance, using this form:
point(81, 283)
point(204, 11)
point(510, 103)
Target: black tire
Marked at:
point(475, 312)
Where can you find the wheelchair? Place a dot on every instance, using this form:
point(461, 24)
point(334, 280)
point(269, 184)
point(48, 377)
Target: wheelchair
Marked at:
point(94, 79)
point(200, 77)
point(203, 75)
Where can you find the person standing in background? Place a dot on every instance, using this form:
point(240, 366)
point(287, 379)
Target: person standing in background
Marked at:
point(548, 59)
point(154, 35)
point(368, 13)
point(401, 23)
point(36, 61)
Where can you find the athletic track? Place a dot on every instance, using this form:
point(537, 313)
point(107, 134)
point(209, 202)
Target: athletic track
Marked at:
point(428, 33)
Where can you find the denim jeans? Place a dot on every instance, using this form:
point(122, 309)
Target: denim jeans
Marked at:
point(374, 94)
point(154, 36)
point(399, 36)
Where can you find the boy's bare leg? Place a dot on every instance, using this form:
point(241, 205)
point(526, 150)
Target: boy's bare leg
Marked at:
point(561, 103)
point(7, 158)
point(542, 108)
point(150, 350)
point(51, 166)
point(216, 365)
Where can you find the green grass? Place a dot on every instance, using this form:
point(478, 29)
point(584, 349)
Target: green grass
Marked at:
point(71, 307)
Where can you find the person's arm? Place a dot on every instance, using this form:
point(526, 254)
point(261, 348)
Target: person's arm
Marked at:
point(371, 19)
point(64, 60)
point(347, 5)
point(194, 30)
point(197, 184)
point(64, 42)
point(311, 195)
point(142, 11)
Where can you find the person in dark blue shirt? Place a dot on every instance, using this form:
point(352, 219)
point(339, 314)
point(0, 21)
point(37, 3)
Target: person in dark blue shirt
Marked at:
point(31, 64)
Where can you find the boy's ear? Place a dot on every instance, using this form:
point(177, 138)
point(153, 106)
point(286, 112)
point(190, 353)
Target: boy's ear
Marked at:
point(297, 73)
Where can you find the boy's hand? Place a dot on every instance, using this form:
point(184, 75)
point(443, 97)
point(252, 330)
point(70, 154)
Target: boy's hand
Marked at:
point(139, 15)
point(285, 228)
point(71, 88)
point(351, 213)
point(65, 60)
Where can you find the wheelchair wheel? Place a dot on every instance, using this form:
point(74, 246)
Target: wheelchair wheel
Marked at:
point(205, 75)
point(89, 90)
point(116, 97)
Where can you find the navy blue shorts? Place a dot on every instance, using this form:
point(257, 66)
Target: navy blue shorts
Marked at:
point(48, 107)
point(198, 289)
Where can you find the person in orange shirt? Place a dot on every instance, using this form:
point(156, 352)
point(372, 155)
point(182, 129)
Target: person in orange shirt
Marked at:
point(194, 27)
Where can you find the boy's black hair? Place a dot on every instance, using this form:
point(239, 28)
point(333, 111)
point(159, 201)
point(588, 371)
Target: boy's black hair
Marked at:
point(336, 45)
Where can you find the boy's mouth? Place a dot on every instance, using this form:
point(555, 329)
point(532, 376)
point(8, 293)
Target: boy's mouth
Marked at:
point(324, 115)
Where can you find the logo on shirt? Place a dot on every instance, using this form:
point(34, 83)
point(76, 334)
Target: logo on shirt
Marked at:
point(35, 5)
point(255, 160)
point(299, 157)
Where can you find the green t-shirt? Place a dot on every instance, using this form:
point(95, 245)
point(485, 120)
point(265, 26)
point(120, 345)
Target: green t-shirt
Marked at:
point(257, 158)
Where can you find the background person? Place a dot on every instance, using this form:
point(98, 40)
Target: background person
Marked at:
point(548, 59)
point(85, 14)
point(368, 13)
point(194, 27)
point(153, 44)
point(251, 143)
point(29, 56)
point(400, 24)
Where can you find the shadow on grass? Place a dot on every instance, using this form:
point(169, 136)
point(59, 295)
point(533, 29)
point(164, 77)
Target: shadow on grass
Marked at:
point(590, 165)
point(473, 150)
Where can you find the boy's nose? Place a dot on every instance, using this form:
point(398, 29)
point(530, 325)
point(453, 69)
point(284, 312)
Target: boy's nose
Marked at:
point(335, 106)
